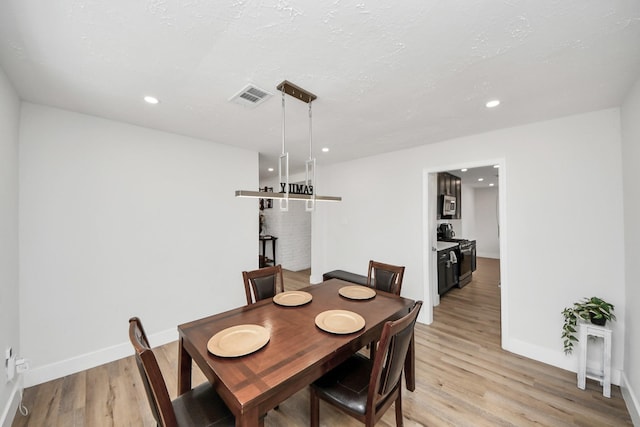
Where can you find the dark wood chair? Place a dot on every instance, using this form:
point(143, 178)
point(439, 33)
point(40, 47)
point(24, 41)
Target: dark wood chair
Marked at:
point(262, 283)
point(385, 277)
point(365, 388)
point(200, 406)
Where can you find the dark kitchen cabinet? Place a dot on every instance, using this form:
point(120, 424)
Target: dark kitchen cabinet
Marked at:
point(447, 270)
point(450, 185)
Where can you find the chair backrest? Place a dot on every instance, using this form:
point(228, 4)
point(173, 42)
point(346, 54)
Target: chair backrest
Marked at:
point(154, 384)
point(390, 357)
point(385, 277)
point(263, 283)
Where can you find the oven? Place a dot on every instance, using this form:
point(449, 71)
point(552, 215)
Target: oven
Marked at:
point(467, 249)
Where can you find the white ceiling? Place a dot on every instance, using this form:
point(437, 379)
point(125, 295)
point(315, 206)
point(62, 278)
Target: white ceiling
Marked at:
point(388, 75)
point(480, 177)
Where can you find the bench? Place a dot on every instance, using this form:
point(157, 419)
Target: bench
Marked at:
point(345, 275)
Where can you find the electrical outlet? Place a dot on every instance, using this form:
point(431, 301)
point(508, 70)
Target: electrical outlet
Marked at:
point(11, 368)
point(21, 365)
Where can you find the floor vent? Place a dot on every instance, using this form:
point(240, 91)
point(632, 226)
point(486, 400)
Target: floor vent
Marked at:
point(250, 96)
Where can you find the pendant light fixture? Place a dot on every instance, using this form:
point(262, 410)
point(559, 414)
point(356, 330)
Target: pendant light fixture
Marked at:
point(289, 191)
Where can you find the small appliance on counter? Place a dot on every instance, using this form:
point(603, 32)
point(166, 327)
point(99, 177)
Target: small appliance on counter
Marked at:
point(445, 231)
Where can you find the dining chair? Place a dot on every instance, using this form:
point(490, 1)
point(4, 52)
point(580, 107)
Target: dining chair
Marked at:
point(365, 388)
point(200, 406)
point(385, 277)
point(262, 283)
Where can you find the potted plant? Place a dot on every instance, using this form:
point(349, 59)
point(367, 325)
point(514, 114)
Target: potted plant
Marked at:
point(594, 309)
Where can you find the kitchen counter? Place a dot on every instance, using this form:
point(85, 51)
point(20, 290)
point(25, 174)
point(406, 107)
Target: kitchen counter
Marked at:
point(441, 246)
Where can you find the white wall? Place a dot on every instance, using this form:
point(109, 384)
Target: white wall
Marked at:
point(486, 222)
point(630, 117)
point(542, 275)
point(116, 221)
point(9, 290)
point(468, 213)
point(479, 220)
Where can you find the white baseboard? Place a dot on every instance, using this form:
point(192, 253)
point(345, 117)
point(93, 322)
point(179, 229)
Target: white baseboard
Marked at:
point(494, 255)
point(314, 280)
point(423, 319)
point(9, 411)
point(40, 374)
point(631, 399)
point(553, 358)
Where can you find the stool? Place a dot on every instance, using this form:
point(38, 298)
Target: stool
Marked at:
point(586, 330)
point(264, 260)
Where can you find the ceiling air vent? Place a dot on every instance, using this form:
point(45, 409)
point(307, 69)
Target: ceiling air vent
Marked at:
point(250, 96)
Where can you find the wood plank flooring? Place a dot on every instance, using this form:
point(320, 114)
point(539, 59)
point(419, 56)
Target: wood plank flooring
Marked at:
point(463, 378)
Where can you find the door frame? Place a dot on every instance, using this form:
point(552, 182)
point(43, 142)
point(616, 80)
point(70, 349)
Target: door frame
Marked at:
point(429, 235)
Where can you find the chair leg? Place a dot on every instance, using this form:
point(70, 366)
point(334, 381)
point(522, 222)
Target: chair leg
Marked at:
point(399, 419)
point(314, 413)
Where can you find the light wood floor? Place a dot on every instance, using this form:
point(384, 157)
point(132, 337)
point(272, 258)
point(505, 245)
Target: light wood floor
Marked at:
point(464, 378)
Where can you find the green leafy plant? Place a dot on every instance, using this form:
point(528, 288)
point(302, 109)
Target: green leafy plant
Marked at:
point(594, 310)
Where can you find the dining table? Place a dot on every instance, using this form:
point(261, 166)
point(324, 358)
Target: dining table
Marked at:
point(297, 351)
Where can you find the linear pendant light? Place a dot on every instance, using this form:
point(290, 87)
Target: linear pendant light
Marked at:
point(290, 191)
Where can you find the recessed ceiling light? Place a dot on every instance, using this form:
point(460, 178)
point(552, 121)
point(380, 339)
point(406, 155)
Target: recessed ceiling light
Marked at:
point(151, 100)
point(491, 185)
point(270, 169)
point(463, 170)
point(480, 179)
point(496, 166)
point(493, 103)
point(325, 149)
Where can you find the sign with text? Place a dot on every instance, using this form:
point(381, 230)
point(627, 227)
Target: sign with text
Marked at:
point(296, 188)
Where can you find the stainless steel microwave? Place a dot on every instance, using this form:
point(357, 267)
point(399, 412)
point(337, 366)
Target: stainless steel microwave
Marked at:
point(448, 205)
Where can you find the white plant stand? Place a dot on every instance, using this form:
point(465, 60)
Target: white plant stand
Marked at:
point(586, 330)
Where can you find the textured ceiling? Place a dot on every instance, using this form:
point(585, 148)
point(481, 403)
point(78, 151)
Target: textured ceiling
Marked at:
point(388, 75)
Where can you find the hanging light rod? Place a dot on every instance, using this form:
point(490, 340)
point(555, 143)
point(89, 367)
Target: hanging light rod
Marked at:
point(291, 191)
point(292, 196)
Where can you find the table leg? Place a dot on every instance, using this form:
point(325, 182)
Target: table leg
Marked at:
point(410, 365)
point(273, 249)
point(251, 418)
point(184, 368)
point(582, 357)
point(606, 380)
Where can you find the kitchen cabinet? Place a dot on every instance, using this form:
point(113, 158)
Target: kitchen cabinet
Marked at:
point(450, 185)
point(447, 270)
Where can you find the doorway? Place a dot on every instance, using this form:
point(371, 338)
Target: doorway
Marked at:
point(483, 219)
point(292, 230)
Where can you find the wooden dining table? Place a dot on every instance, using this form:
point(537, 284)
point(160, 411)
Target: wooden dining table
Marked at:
point(297, 353)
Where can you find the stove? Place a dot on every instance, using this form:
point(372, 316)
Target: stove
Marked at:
point(452, 239)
